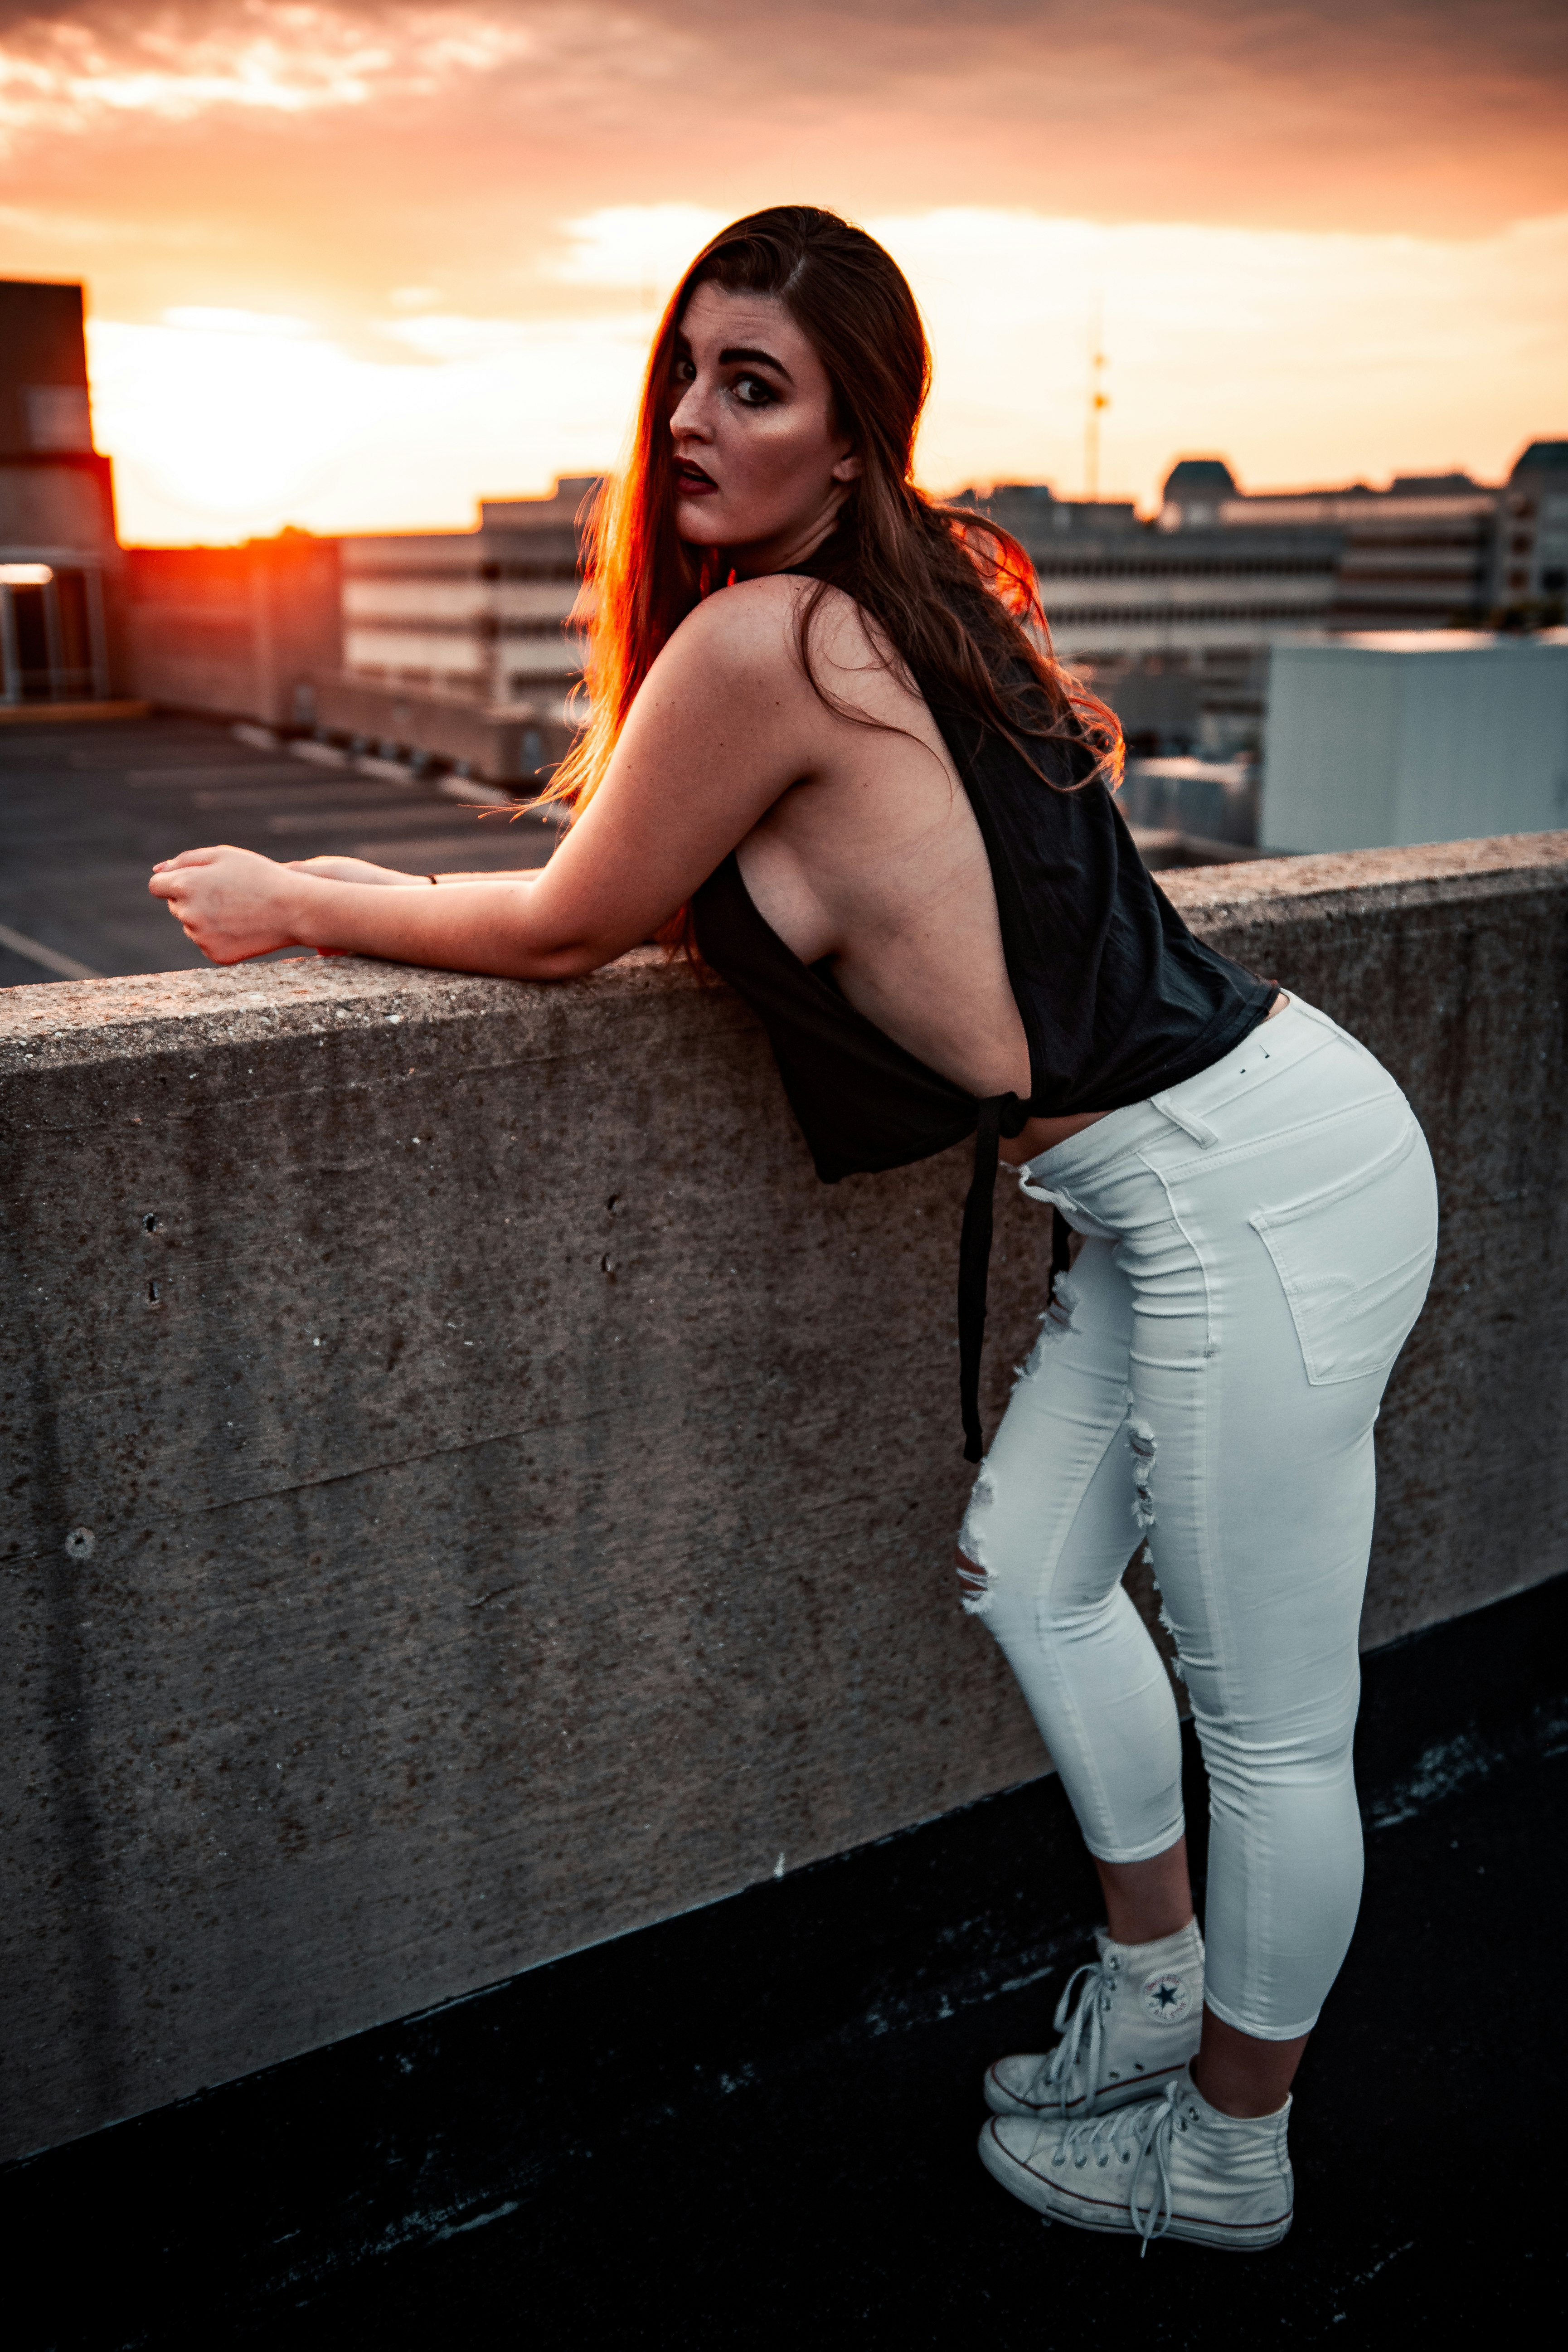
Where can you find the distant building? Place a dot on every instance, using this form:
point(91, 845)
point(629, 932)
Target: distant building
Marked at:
point(1174, 620)
point(1195, 490)
point(1529, 574)
point(1418, 555)
point(455, 643)
point(1172, 624)
point(248, 632)
point(58, 559)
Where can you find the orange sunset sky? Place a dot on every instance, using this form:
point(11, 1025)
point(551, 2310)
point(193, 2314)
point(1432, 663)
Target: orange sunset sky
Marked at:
point(356, 265)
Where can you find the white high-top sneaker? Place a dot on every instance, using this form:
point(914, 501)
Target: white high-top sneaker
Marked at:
point(1172, 2167)
point(1138, 2020)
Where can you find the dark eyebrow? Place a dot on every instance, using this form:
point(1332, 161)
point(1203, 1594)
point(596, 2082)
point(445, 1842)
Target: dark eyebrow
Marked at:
point(738, 352)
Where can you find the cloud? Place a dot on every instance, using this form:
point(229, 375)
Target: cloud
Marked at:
point(645, 246)
point(208, 319)
point(1422, 113)
point(69, 71)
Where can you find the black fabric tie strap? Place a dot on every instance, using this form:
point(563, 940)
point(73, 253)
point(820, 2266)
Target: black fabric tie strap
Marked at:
point(974, 1258)
point(974, 1269)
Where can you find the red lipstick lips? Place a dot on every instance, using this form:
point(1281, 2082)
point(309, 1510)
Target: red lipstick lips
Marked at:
point(691, 481)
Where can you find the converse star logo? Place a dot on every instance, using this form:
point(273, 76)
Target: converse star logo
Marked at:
point(1166, 1998)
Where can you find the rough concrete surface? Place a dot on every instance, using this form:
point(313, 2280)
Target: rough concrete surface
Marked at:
point(469, 1491)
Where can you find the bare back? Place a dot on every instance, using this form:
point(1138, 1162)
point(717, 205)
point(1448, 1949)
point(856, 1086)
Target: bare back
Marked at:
point(873, 856)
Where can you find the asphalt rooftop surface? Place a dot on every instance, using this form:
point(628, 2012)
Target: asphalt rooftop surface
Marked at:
point(87, 810)
point(759, 2120)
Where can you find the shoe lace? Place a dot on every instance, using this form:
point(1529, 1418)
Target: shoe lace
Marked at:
point(1139, 2135)
point(1052, 2075)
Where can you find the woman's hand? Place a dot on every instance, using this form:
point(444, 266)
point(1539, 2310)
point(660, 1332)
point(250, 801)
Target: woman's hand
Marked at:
point(232, 902)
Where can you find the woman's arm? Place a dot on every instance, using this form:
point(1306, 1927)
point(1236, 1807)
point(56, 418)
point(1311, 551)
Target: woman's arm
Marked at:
point(234, 904)
point(357, 869)
point(724, 723)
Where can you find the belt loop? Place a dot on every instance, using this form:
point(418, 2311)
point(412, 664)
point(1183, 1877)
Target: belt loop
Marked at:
point(1187, 1120)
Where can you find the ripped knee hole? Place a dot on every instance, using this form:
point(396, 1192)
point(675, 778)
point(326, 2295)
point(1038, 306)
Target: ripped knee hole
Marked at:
point(974, 1589)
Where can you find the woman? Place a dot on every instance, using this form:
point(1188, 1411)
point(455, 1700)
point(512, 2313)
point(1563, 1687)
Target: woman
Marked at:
point(829, 746)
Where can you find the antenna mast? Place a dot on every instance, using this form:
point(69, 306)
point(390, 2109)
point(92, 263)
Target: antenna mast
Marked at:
point(1099, 402)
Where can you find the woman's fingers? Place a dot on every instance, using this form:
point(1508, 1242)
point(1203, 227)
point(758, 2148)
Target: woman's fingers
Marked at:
point(232, 903)
point(187, 857)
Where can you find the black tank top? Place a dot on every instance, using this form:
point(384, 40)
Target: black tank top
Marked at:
point(1119, 1001)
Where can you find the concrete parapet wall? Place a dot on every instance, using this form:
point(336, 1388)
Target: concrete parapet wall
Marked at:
point(468, 1491)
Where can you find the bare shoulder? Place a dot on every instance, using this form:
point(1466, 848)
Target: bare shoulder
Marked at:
point(748, 628)
point(749, 635)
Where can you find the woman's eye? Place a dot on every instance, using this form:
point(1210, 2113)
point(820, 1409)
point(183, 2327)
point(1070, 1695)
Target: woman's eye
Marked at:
point(752, 392)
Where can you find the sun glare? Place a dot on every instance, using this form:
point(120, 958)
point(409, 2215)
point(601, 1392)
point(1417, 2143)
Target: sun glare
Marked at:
point(234, 420)
point(219, 432)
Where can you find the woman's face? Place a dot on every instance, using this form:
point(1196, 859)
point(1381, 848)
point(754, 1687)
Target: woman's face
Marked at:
point(761, 468)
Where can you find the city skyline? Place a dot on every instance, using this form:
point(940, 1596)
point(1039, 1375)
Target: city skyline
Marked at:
point(353, 267)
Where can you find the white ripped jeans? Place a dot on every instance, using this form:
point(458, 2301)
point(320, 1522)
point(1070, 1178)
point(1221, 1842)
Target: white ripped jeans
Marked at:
point(1260, 1240)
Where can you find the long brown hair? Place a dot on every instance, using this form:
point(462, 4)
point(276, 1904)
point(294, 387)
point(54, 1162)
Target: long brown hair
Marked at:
point(951, 593)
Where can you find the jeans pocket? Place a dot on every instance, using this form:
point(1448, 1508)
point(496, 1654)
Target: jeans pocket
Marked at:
point(1355, 1259)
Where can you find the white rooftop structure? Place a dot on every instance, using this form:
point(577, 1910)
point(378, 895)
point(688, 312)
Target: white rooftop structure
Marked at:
point(1385, 739)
